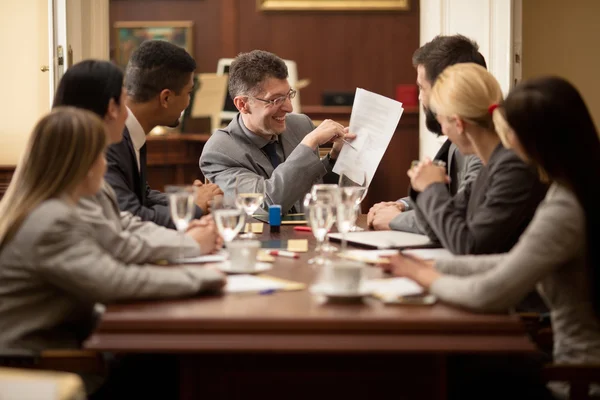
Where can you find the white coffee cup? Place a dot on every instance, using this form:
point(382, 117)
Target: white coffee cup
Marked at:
point(345, 277)
point(242, 254)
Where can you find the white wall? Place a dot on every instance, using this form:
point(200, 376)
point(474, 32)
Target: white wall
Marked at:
point(24, 33)
point(88, 30)
point(562, 39)
point(488, 22)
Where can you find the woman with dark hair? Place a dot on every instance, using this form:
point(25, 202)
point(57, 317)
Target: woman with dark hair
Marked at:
point(98, 86)
point(546, 122)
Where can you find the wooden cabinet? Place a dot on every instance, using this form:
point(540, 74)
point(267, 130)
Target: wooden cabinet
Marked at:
point(174, 159)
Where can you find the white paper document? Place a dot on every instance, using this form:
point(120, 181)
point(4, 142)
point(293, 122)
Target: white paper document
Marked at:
point(429, 254)
point(251, 283)
point(28, 389)
point(373, 120)
point(209, 258)
point(393, 287)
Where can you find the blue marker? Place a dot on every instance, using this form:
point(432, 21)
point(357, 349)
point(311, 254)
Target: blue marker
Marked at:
point(267, 291)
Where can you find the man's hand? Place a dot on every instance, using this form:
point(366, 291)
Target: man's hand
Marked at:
point(204, 232)
point(325, 132)
point(384, 204)
point(338, 143)
point(205, 193)
point(425, 174)
point(383, 216)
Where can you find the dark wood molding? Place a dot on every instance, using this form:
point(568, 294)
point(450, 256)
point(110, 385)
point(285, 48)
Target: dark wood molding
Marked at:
point(230, 32)
point(6, 173)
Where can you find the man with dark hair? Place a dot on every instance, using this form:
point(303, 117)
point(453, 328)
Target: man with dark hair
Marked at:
point(159, 80)
point(265, 142)
point(430, 60)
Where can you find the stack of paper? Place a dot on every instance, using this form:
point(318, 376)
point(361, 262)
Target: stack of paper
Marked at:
point(398, 290)
point(259, 284)
point(374, 120)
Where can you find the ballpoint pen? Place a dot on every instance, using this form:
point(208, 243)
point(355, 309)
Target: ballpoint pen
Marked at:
point(348, 143)
point(303, 228)
point(283, 253)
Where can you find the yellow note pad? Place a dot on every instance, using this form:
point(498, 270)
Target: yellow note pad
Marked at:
point(255, 227)
point(264, 256)
point(298, 245)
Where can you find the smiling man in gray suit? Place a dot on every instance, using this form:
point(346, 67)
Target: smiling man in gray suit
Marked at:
point(265, 141)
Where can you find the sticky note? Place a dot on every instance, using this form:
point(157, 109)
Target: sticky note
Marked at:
point(298, 245)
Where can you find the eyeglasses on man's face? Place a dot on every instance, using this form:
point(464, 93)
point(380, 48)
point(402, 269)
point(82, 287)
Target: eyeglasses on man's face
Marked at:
point(279, 100)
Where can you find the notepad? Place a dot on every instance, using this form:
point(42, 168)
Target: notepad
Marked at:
point(259, 283)
point(380, 256)
point(399, 291)
point(254, 227)
point(263, 256)
point(297, 245)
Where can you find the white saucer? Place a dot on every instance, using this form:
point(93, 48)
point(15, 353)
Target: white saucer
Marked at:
point(327, 291)
point(258, 268)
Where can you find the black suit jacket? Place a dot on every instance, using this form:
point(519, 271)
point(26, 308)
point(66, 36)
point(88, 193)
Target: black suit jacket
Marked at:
point(133, 193)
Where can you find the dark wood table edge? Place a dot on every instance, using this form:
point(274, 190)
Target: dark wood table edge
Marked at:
point(312, 343)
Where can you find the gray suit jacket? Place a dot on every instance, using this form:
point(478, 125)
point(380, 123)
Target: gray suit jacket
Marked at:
point(550, 255)
point(130, 238)
point(229, 153)
point(54, 271)
point(490, 214)
point(461, 169)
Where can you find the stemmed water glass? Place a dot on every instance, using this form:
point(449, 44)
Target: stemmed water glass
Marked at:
point(346, 211)
point(228, 217)
point(182, 207)
point(357, 179)
point(319, 209)
point(249, 195)
point(333, 191)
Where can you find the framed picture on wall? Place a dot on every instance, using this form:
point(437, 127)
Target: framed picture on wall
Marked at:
point(333, 5)
point(130, 34)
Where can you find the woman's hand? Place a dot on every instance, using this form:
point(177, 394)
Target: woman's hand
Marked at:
point(415, 268)
point(425, 174)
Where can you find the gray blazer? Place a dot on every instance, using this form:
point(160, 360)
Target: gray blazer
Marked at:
point(550, 255)
point(492, 211)
point(230, 153)
point(461, 170)
point(129, 238)
point(54, 270)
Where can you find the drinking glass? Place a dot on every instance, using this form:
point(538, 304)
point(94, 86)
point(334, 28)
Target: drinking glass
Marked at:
point(228, 217)
point(320, 211)
point(357, 179)
point(182, 207)
point(333, 191)
point(249, 195)
point(346, 210)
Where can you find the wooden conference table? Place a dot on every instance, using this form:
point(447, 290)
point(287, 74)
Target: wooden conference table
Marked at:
point(291, 345)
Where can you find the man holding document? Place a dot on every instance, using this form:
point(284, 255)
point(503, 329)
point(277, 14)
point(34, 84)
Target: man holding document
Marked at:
point(266, 141)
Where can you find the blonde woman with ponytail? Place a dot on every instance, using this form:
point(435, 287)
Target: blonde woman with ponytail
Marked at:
point(52, 268)
point(494, 209)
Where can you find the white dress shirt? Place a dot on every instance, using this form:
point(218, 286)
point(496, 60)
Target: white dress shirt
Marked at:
point(138, 136)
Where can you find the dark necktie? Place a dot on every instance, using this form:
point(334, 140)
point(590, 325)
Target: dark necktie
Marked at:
point(143, 173)
point(271, 150)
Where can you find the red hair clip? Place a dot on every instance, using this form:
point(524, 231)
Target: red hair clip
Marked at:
point(492, 108)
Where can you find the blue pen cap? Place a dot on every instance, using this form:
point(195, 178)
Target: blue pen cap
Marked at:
point(275, 215)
